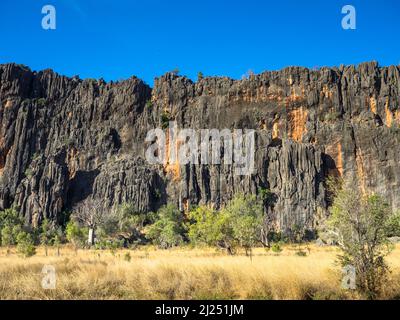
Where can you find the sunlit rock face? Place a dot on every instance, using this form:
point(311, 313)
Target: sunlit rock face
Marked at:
point(63, 140)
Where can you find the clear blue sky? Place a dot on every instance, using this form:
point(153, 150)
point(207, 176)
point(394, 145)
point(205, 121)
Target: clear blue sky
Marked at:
point(116, 39)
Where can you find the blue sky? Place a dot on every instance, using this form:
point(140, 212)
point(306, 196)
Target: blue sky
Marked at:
point(120, 38)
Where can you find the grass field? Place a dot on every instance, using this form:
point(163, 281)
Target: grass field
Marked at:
point(182, 273)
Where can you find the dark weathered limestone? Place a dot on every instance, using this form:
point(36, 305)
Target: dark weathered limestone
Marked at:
point(64, 139)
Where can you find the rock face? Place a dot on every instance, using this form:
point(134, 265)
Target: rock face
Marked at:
point(63, 140)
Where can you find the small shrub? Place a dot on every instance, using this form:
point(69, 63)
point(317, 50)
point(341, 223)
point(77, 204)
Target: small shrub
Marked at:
point(75, 234)
point(393, 226)
point(165, 119)
point(169, 229)
point(274, 236)
point(41, 102)
point(149, 104)
point(276, 248)
point(25, 245)
point(28, 173)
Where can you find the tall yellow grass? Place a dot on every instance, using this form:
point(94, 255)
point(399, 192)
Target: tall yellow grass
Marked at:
point(182, 274)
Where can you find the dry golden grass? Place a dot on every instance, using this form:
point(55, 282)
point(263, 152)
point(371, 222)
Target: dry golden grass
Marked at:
point(181, 274)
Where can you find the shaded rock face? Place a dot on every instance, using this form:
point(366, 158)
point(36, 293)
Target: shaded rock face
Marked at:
point(63, 140)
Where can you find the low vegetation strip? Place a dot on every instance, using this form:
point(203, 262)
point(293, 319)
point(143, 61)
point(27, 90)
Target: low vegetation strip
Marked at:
point(183, 273)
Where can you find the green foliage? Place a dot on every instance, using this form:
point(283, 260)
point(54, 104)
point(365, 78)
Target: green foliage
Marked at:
point(126, 222)
point(57, 238)
point(276, 248)
point(76, 234)
point(393, 225)
point(165, 119)
point(245, 214)
point(45, 232)
point(41, 102)
point(28, 173)
point(206, 226)
point(110, 244)
point(359, 223)
point(200, 76)
point(266, 196)
point(169, 229)
point(149, 104)
point(239, 224)
point(157, 194)
point(25, 244)
point(9, 235)
point(10, 225)
point(35, 156)
point(274, 236)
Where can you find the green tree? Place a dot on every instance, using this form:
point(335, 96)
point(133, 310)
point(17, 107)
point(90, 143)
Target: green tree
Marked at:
point(25, 244)
point(127, 223)
point(200, 76)
point(130, 222)
point(75, 234)
point(245, 215)
point(9, 235)
point(393, 225)
point(359, 224)
point(169, 229)
point(56, 240)
point(10, 225)
point(46, 234)
point(205, 226)
point(239, 224)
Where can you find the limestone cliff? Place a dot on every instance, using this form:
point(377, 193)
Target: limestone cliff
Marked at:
point(65, 139)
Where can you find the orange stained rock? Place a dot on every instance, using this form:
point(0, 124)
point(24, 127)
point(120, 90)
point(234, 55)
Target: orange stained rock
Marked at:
point(295, 94)
point(172, 168)
point(339, 164)
point(297, 123)
point(388, 114)
point(275, 130)
point(186, 205)
point(327, 92)
point(9, 104)
point(71, 162)
point(360, 170)
point(372, 105)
